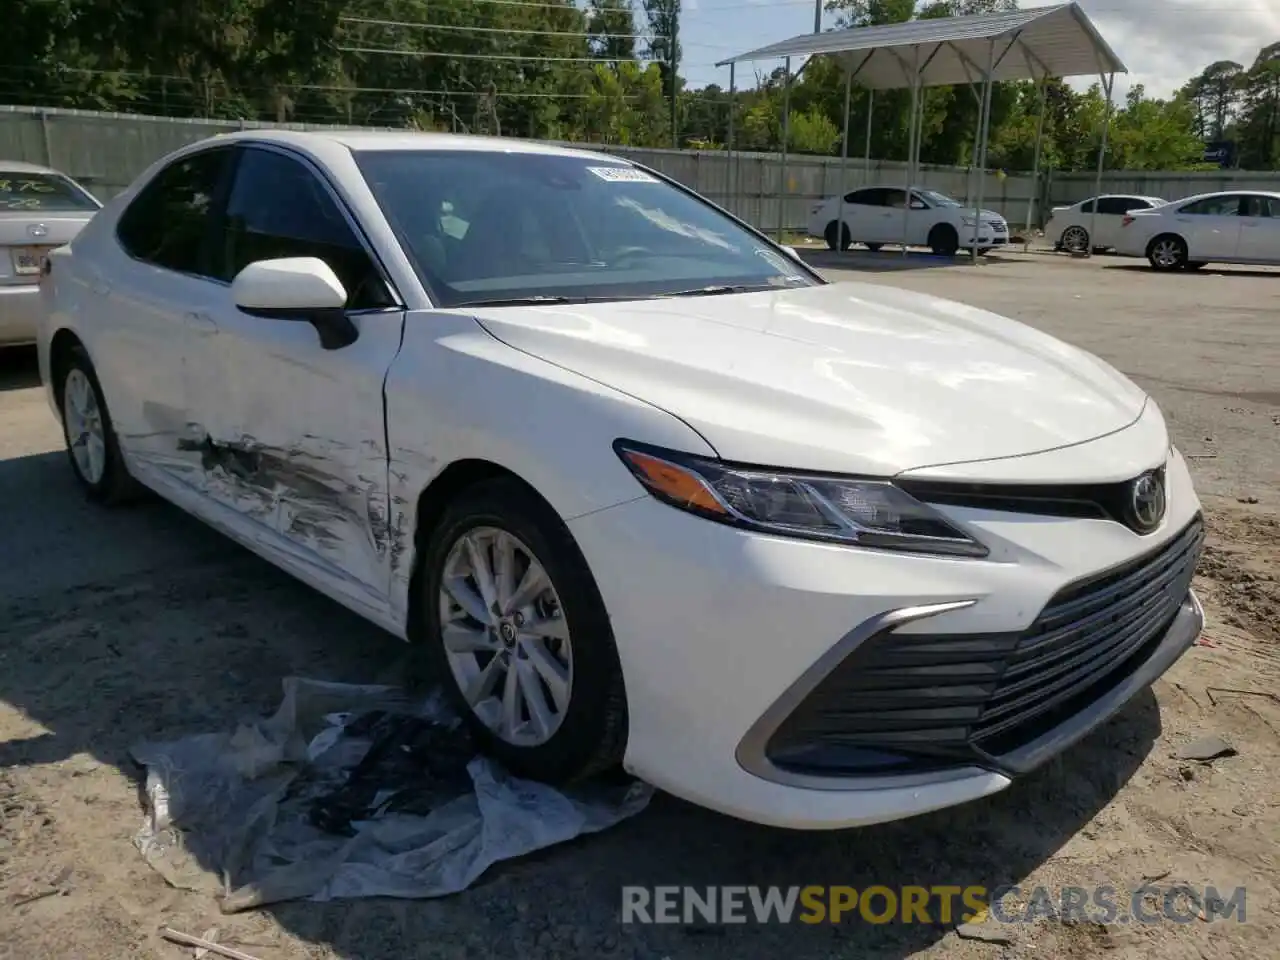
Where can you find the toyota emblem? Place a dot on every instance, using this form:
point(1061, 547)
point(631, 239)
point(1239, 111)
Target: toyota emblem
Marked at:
point(37, 230)
point(1147, 501)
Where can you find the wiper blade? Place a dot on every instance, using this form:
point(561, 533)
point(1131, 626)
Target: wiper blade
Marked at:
point(531, 301)
point(718, 290)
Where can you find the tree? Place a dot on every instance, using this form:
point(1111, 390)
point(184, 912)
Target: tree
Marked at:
point(612, 27)
point(664, 44)
point(1259, 127)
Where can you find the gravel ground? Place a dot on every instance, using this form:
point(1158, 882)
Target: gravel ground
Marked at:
point(142, 623)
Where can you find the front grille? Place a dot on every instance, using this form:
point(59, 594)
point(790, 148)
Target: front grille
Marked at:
point(997, 225)
point(910, 702)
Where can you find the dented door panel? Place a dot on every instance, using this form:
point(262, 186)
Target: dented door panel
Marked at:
point(301, 449)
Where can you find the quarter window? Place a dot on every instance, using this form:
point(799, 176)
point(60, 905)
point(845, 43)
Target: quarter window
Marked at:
point(168, 221)
point(279, 208)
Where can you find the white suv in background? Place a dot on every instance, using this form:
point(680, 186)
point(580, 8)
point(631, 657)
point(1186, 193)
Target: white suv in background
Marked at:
point(1069, 227)
point(875, 216)
point(1234, 226)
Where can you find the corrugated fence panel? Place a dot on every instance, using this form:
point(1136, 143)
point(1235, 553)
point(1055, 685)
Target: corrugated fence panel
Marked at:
point(107, 151)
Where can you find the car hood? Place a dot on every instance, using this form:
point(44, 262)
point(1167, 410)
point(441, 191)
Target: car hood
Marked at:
point(847, 377)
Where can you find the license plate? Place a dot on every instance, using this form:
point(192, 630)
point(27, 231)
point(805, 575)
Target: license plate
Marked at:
point(28, 261)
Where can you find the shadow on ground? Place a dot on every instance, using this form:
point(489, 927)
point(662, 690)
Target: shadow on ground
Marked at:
point(116, 626)
point(18, 369)
point(1209, 271)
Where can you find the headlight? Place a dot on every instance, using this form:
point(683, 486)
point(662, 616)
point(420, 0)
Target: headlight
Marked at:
point(864, 513)
point(968, 222)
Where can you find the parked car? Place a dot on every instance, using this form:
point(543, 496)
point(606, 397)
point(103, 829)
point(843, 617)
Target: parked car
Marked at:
point(641, 486)
point(874, 216)
point(1233, 226)
point(39, 209)
point(1068, 227)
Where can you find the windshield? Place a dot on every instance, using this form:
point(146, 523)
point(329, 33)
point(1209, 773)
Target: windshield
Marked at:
point(484, 227)
point(938, 199)
point(41, 191)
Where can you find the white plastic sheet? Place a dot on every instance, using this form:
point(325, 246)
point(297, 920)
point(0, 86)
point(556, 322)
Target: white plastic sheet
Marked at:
point(233, 814)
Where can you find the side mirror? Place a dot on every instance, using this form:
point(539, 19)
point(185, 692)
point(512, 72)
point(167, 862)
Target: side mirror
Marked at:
point(297, 288)
point(795, 254)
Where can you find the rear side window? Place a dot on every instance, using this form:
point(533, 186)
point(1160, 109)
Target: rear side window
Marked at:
point(866, 198)
point(1255, 206)
point(41, 192)
point(1087, 207)
point(167, 223)
point(278, 208)
point(1118, 206)
point(1228, 206)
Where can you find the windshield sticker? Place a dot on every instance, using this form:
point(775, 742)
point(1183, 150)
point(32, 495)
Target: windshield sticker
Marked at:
point(623, 175)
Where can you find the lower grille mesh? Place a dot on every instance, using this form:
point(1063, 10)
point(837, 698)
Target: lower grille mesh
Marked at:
point(915, 701)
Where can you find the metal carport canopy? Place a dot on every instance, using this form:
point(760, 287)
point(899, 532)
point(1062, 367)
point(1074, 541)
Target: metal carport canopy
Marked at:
point(1056, 41)
point(978, 50)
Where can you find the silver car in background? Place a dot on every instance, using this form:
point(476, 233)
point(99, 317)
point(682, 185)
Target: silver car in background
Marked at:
point(40, 209)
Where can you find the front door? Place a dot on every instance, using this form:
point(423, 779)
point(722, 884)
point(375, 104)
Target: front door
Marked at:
point(304, 440)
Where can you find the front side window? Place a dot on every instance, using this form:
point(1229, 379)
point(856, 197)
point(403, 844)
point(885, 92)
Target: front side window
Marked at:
point(1255, 206)
point(1228, 206)
point(167, 223)
point(278, 208)
point(936, 199)
point(493, 226)
point(41, 193)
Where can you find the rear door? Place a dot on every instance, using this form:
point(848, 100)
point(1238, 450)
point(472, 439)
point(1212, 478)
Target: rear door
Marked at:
point(298, 437)
point(1259, 229)
point(861, 208)
point(153, 291)
point(1211, 226)
point(888, 222)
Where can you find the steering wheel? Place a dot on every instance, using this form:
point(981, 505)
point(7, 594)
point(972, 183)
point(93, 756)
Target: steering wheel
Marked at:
point(624, 254)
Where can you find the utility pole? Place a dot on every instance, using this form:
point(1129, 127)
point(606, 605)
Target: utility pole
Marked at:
point(817, 16)
point(675, 88)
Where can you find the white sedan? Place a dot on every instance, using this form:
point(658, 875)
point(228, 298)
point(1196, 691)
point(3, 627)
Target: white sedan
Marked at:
point(875, 216)
point(1234, 226)
point(1079, 228)
point(643, 487)
point(39, 209)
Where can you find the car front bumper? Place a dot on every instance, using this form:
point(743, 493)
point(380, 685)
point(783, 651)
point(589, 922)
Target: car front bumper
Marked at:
point(723, 634)
point(20, 307)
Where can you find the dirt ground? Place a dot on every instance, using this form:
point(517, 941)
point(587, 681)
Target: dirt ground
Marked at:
point(120, 626)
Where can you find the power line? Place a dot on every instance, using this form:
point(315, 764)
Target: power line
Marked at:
point(533, 33)
point(473, 56)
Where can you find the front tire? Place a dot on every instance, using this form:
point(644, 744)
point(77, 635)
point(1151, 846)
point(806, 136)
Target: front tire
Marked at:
point(91, 441)
point(943, 240)
point(515, 626)
point(1075, 240)
point(830, 236)
point(1167, 252)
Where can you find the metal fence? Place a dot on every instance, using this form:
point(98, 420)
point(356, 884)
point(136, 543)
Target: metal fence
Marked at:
point(106, 151)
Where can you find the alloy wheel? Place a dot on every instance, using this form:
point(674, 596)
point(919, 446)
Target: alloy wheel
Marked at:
point(86, 434)
point(1166, 253)
point(1075, 240)
point(505, 636)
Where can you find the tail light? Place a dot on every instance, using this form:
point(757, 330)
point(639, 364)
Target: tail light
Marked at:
point(1127, 220)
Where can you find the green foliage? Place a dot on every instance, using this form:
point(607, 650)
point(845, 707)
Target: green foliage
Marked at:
point(574, 70)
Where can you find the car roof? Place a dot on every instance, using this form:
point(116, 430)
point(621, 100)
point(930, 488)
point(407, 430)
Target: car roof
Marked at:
point(1238, 191)
point(411, 140)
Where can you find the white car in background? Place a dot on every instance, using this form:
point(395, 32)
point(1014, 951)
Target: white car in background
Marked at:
point(1232, 226)
point(40, 208)
point(1068, 227)
point(641, 486)
point(876, 216)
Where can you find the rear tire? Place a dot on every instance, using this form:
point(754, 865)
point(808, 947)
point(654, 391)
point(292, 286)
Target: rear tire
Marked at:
point(92, 447)
point(830, 236)
point(1075, 240)
point(1167, 252)
point(546, 697)
point(943, 240)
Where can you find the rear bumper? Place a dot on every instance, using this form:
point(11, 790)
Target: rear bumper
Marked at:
point(20, 308)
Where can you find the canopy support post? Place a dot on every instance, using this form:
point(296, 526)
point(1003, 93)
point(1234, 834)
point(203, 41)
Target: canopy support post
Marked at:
point(786, 137)
point(866, 153)
point(984, 135)
point(1034, 198)
point(731, 173)
point(911, 149)
point(844, 163)
point(1109, 84)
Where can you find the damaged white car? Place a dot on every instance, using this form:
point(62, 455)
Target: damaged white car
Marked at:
point(646, 489)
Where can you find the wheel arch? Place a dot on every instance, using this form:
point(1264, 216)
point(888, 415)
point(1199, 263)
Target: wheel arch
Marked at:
point(62, 345)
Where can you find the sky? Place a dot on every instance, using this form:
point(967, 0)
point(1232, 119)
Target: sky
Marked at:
point(1162, 42)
